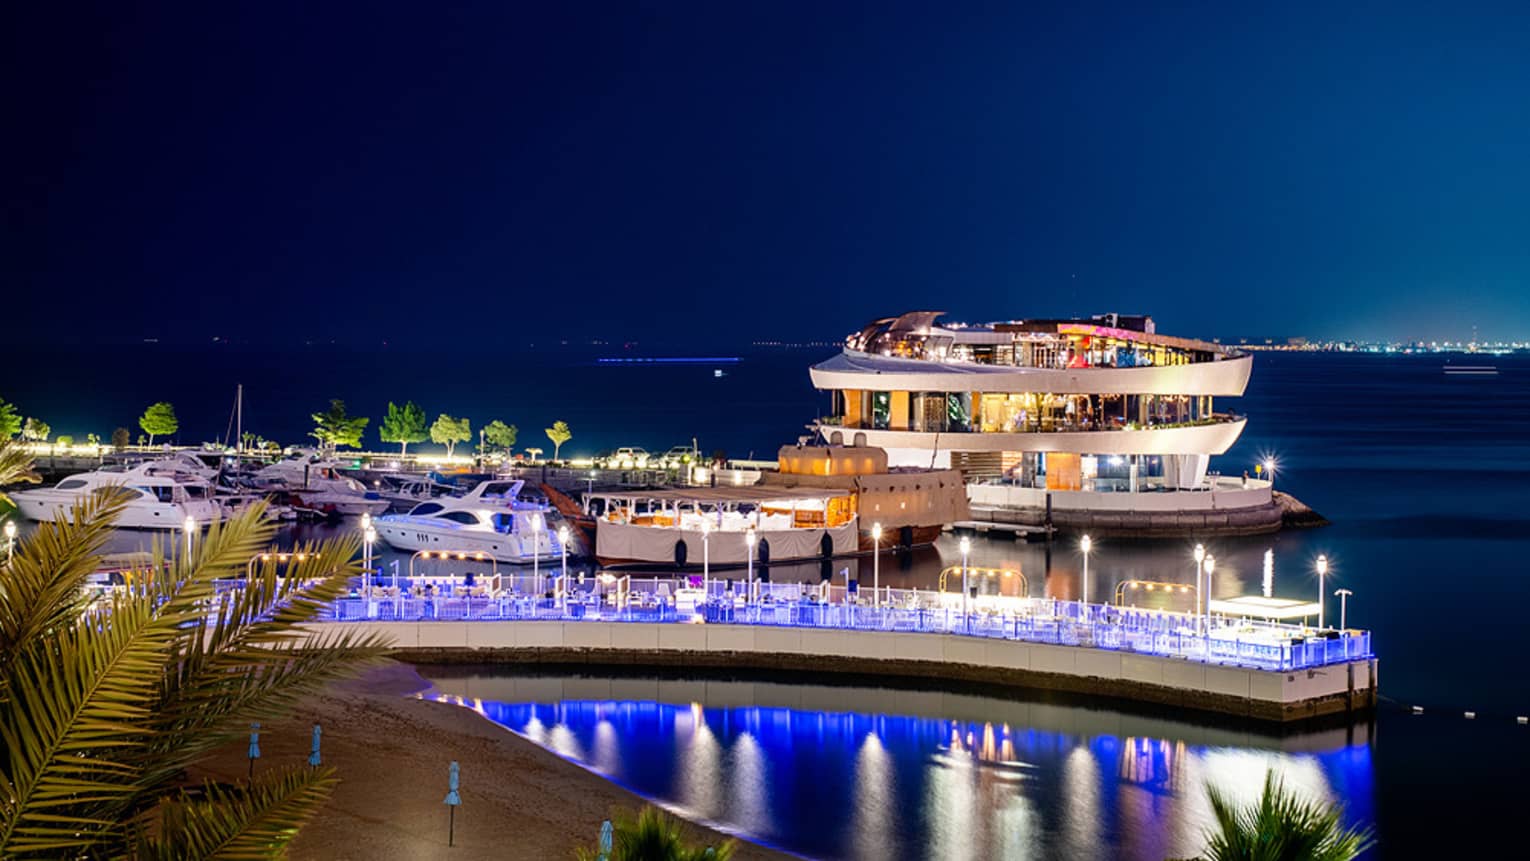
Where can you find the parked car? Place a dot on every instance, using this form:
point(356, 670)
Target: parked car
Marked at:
point(626, 457)
point(675, 458)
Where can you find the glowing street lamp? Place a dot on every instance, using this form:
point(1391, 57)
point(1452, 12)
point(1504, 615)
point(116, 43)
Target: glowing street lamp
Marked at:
point(749, 540)
point(1322, 569)
point(1204, 599)
point(966, 548)
point(1343, 608)
point(369, 537)
point(706, 558)
point(191, 528)
point(10, 541)
point(876, 563)
point(536, 552)
point(1086, 545)
point(563, 550)
point(1200, 564)
point(1269, 468)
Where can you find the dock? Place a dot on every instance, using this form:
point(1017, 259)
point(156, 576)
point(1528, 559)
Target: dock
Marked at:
point(1016, 531)
point(1260, 671)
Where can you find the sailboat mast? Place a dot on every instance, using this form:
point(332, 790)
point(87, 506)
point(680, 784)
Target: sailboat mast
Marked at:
point(239, 422)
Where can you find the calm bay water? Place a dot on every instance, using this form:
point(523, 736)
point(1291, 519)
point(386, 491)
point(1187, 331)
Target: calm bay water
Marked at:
point(1423, 475)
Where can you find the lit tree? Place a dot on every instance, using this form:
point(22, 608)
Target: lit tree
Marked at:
point(335, 427)
point(10, 420)
point(93, 440)
point(559, 434)
point(500, 435)
point(35, 430)
point(63, 440)
point(403, 425)
point(449, 431)
point(159, 420)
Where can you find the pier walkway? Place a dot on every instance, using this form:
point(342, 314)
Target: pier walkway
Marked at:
point(1256, 669)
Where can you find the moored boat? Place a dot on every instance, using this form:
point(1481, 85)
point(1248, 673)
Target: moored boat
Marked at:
point(157, 497)
point(491, 519)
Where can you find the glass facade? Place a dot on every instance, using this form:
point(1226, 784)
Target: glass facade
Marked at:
point(1023, 412)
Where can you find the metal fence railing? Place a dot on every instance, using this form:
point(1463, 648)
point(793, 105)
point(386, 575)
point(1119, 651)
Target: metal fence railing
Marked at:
point(1218, 640)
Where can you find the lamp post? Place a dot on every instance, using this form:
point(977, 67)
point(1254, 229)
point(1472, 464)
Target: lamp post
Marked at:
point(563, 551)
point(1086, 545)
point(706, 558)
point(876, 563)
point(369, 537)
point(536, 552)
point(749, 539)
point(1200, 564)
point(1343, 608)
point(1269, 468)
point(10, 541)
point(1322, 569)
point(1204, 599)
point(966, 548)
point(191, 527)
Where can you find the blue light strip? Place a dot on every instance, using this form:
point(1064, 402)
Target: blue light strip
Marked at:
point(1093, 626)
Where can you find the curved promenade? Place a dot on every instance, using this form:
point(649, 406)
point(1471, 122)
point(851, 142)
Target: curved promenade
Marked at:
point(1254, 671)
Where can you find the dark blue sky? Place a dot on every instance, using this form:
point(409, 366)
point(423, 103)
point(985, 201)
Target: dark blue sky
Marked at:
point(785, 169)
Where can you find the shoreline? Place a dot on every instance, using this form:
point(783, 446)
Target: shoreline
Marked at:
point(390, 751)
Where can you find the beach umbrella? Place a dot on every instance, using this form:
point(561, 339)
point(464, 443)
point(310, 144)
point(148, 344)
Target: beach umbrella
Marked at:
point(313, 755)
point(452, 800)
point(605, 840)
point(254, 746)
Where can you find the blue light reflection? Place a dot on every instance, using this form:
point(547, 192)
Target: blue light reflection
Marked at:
point(850, 785)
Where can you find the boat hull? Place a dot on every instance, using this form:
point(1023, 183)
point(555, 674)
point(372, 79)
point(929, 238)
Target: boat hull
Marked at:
point(47, 507)
point(619, 545)
point(412, 535)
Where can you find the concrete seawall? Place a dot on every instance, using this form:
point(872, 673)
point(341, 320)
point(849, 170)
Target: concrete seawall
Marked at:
point(1241, 691)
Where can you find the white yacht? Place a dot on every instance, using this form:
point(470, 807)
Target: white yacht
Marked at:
point(489, 520)
point(161, 497)
point(317, 485)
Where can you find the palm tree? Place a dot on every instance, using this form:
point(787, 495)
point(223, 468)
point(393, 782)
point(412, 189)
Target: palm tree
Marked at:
point(1280, 827)
point(655, 836)
point(104, 704)
point(15, 467)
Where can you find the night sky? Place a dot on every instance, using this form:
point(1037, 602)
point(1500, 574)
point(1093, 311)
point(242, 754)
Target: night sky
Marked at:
point(770, 170)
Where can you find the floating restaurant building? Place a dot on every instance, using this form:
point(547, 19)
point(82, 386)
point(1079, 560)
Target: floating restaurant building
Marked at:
point(1100, 423)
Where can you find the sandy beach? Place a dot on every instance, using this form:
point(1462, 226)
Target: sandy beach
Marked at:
point(391, 753)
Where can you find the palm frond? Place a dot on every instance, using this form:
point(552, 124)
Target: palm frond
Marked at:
point(42, 583)
point(1281, 826)
point(253, 822)
point(79, 703)
point(15, 467)
point(249, 658)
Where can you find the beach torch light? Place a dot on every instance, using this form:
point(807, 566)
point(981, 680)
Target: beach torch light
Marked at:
point(191, 529)
point(749, 541)
point(966, 548)
point(563, 552)
point(10, 541)
point(706, 557)
point(1322, 570)
point(1343, 608)
point(876, 563)
point(1085, 544)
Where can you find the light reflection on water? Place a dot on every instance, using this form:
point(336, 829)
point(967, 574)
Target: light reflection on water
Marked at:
point(877, 783)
